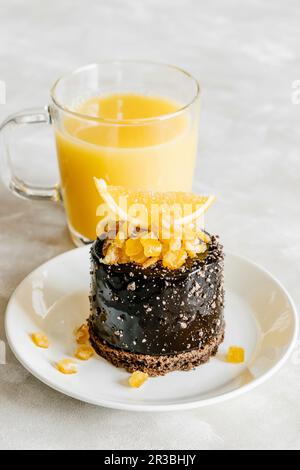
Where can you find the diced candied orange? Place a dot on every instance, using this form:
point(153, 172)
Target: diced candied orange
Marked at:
point(112, 254)
point(150, 262)
point(191, 254)
point(202, 248)
point(169, 260)
point(181, 257)
point(191, 245)
point(123, 258)
point(133, 247)
point(139, 258)
point(165, 247)
point(194, 247)
point(137, 379)
point(145, 248)
point(82, 334)
point(174, 259)
point(175, 244)
point(84, 352)
point(203, 236)
point(120, 239)
point(151, 247)
point(40, 340)
point(67, 366)
point(235, 355)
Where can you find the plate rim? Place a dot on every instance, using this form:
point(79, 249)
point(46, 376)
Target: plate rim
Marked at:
point(159, 407)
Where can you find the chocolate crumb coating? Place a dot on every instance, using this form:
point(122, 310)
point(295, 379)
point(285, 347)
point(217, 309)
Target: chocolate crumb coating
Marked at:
point(155, 365)
point(156, 311)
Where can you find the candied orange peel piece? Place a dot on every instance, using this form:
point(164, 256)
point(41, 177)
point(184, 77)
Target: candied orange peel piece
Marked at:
point(139, 259)
point(82, 334)
point(137, 379)
point(112, 255)
point(152, 248)
point(150, 262)
point(40, 340)
point(84, 352)
point(235, 355)
point(146, 251)
point(67, 367)
point(112, 195)
point(133, 247)
point(174, 259)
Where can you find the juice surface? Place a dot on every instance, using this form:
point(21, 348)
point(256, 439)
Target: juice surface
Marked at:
point(134, 150)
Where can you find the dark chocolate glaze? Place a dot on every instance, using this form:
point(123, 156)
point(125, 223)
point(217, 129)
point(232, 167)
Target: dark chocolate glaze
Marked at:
point(155, 310)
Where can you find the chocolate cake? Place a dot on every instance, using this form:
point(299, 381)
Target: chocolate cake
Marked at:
point(154, 319)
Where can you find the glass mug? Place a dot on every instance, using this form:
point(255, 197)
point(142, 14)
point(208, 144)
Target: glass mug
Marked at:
point(133, 123)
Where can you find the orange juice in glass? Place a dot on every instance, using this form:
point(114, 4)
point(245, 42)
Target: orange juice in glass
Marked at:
point(132, 123)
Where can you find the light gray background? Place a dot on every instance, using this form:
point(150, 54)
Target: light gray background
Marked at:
point(246, 55)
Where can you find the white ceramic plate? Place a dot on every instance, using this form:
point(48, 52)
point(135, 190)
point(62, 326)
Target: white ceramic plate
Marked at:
point(260, 316)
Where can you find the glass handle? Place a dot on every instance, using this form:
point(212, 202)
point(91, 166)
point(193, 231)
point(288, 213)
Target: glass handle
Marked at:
point(12, 181)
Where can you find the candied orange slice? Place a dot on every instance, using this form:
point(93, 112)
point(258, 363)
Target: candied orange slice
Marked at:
point(40, 340)
point(235, 355)
point(137, 207)
point(137, 379)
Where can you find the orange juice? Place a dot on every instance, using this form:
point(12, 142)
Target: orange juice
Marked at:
point(131, 140)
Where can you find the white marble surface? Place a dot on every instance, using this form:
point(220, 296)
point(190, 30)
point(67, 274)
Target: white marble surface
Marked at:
point(246, 55)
